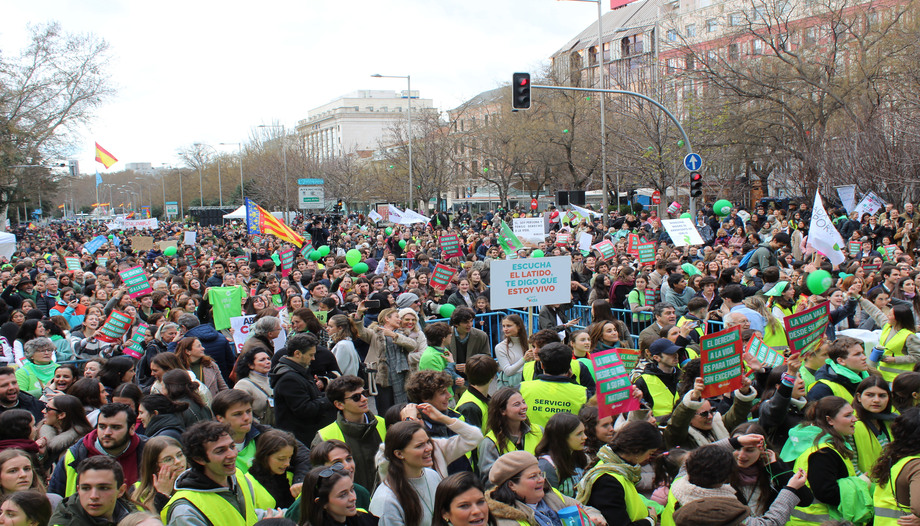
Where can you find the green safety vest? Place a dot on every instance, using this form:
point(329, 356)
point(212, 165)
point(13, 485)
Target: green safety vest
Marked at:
point(334, 432)
point(868, 448)
point(817, 512)
point(218, 511)
point(529, 370)
point(807, 377)
point(775, 339)
point(887, 509)
point(837, 389)
point(663, 399)
point(531, 439)
point(894, 347)
point(635, 506)
point(544, 399)
point(468, 398)
point(246, 455)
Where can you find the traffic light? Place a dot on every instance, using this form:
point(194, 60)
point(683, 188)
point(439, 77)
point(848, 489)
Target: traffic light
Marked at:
point(696, 184)
point(520, 91)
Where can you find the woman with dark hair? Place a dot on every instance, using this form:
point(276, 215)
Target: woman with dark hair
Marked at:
point(160, 416)
point(897, 472)
point(600, 311)
point(252, 370)
point(271, 465)
point(619, 291)
point(905, 391)
point(899, 339)
point(872, 403)
point(513, 351)
point(598, 431)
point(561, 452)
point(25, 508)
point(508, 427)
point(328, 498)
point(191, 355)
point(65, 423)
point(19, 431)
point(759, 474)
point(905, 293)
point(407, 493)
point(64, 376)
point(641, 301)
point(461, 501)
point(30, 329)
point(161, 464)
point(91, 394)
point(783, 401)
point(604, 335)
point(116, 371)
point(86, 344)
point(63, 349)
point(344, 331)
point(180, 388)
point(600, 288)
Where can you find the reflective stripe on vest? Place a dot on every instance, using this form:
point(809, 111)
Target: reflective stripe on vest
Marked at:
point(894, 347)
point(531, 440)
point(216, 508)
point(334, 432)
point(775, 339)
point(663, 399)
point(544, 399)
point(529, 370)
point(817, 512)
point(468, 397)
point(887, 508)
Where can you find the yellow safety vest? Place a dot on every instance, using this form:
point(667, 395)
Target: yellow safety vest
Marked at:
point(531, 439)
point(807, 377)
point(220, 512)
point(544, 399)
point(468, 398)
point(635, 506)
point(699, 330)
point(887, 509)
point(667, 515)
point(868, 448)
point(837, 389)
point(776, 339)
point(334, 432)
point(817, 512)
point(894, 347)
point(529, 370)
point(663, 400)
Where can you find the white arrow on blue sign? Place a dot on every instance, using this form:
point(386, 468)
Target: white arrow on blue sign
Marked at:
point(693, 162)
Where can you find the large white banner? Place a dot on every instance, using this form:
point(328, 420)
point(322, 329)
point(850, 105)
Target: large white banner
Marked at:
point(870, 204)
point(530, 229)
point(240, 326)
point(682, 232)
point(141, 224)
point(531, 282)
point(847, 195)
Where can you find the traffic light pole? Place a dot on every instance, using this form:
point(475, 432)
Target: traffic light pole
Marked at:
point(645, 98)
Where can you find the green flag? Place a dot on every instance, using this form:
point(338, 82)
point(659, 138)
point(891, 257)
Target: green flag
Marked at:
point(509, 241)
point(226, 303)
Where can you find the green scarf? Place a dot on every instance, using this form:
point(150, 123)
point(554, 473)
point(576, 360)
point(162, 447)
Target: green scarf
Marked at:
point(44, 373)
point(845, 372)
point(608, 463)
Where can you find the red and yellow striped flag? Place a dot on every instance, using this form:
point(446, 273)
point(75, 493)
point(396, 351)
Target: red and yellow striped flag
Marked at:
point(104, 156)
point(260, 221)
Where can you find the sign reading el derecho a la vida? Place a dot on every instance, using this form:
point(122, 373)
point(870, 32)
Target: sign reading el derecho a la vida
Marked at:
point(450, 245)
point(805, 329)
point(115, 327)
point(720, 362)
point(531, 281)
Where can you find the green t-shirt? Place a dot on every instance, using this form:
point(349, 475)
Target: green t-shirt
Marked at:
point(226, 302)
point(432, 360)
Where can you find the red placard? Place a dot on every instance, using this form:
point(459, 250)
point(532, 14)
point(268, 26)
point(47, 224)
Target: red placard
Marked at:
point(720, 361)
point(632, 244)
point(450, 246)
point(614, 390)
point(441, 277)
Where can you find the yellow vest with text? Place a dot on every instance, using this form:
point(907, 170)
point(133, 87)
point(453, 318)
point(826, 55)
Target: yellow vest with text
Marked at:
point(544, 399)
point(334, 432)
point(220, 512)
point(663, 400)
point(818, 512)
point(894, 347)
point(887, 509)
point(529, 370)
point(531, 440)
point(467, 397)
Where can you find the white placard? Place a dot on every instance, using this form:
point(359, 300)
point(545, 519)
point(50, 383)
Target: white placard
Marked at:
point(240, 326)
point(530, 229)
point(870, 204)
point(584, 241)
point(682, 232)
point(847, 195)
point(531, 282)
point(190, 238)
point(137, 223)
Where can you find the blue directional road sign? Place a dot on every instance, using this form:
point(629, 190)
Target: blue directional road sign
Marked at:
point(693, 162)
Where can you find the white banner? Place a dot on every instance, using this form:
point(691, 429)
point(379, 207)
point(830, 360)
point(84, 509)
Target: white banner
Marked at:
point(395, 215)
point(240, 326)
point(374, 216)
point(682, 232)
point(411, 216)
point(530, 229)
point(531, 282)
point(822, 235)
point(870, 204)
point(140, 224)
point(190, 238)
point(847, 195)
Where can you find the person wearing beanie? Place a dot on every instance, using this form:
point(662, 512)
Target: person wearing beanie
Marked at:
point(523, 496)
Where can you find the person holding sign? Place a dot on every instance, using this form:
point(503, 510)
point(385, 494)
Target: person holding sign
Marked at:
point(694, 423)
point(899, 345)
point(658, 382)
point(554, 391)
point(843, 370)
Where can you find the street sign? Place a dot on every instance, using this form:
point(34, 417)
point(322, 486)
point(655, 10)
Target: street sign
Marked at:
point(311, 198)
point(310, 182)
point(656, 197)
point(533, 204)
point(172, 208)
point(693, 162)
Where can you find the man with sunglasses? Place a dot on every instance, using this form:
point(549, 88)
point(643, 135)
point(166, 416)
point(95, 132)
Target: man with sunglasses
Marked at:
point(355, 425)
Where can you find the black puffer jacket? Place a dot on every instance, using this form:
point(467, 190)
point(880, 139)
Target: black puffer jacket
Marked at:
point(300, 407)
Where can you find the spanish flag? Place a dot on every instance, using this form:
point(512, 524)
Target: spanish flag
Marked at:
point(104, 157)
point(260, 221)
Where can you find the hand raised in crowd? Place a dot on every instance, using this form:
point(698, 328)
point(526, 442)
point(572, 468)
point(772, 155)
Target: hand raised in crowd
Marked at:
point(746, 385)
point(697, 393)
point(164, 480)
point(433, 414)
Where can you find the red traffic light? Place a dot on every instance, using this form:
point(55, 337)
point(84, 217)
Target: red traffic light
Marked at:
point(696, 176)
point(524, 81)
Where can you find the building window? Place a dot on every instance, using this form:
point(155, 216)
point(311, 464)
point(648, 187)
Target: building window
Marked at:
point(691, 30)
point(712, 25)
point(690, 63)
point(734, 51)
point(809, 38)
point(757, 47)
point(735, 19)
point(672, 35)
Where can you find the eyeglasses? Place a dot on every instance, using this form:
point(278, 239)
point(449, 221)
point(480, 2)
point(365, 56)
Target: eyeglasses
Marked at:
point(170, 460)
point(358, 396)
point(537, 476)
point(707, 414)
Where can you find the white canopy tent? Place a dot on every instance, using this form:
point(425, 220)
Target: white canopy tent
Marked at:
point(239, 213)
point(7, 244)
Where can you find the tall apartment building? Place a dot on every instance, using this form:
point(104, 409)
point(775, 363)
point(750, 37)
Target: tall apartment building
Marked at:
point(357, 121)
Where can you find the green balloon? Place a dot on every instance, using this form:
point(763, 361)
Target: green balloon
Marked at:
point(537, 253)
point(402, 243)
point(686, 215)
point(819, 281)
point(324, 250)
point(169, 252)
point(680, 143)
point(723, 207)
point(315, 255)
point(389, 230)
point(111, 236)
point(353, 257)
point(360, 268)
point(446, 310)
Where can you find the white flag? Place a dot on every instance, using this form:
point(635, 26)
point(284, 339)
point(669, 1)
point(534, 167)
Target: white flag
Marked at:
point(822, 235)
point(396, 215)
point(374, 216)
point(584, 212)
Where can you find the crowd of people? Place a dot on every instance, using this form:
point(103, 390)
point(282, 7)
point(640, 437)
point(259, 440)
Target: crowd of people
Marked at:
point(362, 391)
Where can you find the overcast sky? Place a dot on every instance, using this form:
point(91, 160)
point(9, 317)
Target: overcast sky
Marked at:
point(206, 71)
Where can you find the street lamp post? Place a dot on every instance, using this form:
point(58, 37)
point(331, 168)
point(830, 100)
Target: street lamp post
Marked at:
point(242, 186)
point(283, 161)
point(409, 115)
point(220, 186)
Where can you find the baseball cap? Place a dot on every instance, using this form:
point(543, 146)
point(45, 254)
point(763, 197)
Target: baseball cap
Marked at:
point(663, 346)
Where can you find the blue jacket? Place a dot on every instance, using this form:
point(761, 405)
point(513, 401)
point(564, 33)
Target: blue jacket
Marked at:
point(216, 345)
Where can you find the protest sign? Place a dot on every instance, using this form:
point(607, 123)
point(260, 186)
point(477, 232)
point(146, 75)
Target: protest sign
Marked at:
point(226, 303)
point(322, 316)
point(646, 253)
point(889, 252)
point(141, 243)
point(163, 245)
point(240, 260)
point(115, 327)
point(101, 261)
point(257, 239)
point(763, 353)
point(632, 244)
point(450, 246)
point(870, 268)
point(530, 229)
point(847, 195)
point(614, 390)
point(805, 329)
point(606, 249)
point(441, 276)
point(630, 357)
point(720, 362)
point(287, 261)
point(870, 204)
point(190, 238)
point(682, 232)
point(136, 280)
point(562, 238)
point(584, 241)
point(95, 244)
point(136, 347)
point(854, 248)
point(532, 281)
point(140, 224)
point(240, 325)
point(73, 263)
point(305, 251)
